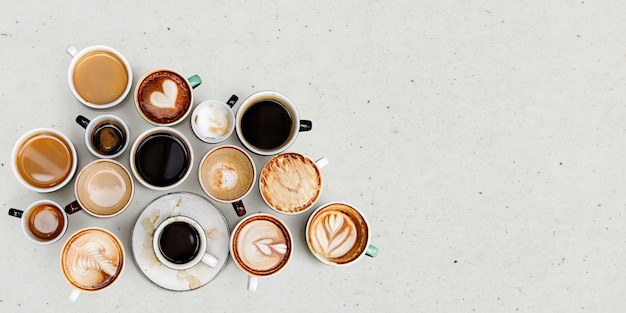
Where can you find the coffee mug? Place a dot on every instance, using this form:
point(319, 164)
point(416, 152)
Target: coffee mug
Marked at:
point(161, 158)
point(180, 243)
point(44, 160)
point(267, 123)
point(106, 136)
point(99, 76)
point(291, 183)
point(213, 121)
point(227, 174)
point(261, 246)
point(103, 188)
point(338, 234)
point(92, 260)
point(43, 222)
point(164, 97)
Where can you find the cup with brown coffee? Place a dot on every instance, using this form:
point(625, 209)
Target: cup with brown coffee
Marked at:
point(92, 260)
point(291, 183)
point(103, 188)
point(338, 234)
point(227, 174)
point(180, 243)
point(161, 158)
point(164, 97)
point(100, 77)
point(106, 136)
point(213, 120)
point(261, 245)
point(267, 123)
point(44, 160)
point(43, 222)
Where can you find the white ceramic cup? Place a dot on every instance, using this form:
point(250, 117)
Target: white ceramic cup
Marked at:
point(201, 256)
point(213, 121)
point(46, 221)
point(105, 120)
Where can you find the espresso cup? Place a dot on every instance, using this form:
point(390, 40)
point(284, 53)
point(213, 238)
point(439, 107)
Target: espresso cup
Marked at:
point(261, 246)
point(92, 260)
point(227, 174)
point(180, 243)
point(106, 136)
point(338, 234)
point(99, 76)
point(43, 222)
point(103, 188)
point(161, 158)
point(164, 97)
point(267, 123)
point(44, 160)
point(213, 121)
point(291, 183)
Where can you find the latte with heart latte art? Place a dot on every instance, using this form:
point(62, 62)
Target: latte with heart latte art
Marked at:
point(163, 97)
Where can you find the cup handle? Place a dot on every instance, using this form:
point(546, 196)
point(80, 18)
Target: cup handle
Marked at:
point(15, 212)
point(74, 295)
point(232, 100)
point(71, 50)
point(240, 209)
point(371, 251)
point(253, 281)
point(82, 121)
point(194, 81)
point(305, 125)
point(321, 162)
point(209, 260)
point(72, 207)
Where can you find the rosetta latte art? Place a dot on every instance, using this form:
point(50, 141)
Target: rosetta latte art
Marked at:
point(333, 235)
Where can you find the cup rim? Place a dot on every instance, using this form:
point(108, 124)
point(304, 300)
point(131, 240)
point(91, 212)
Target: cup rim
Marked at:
point(256, 97)
point(93, 123)
point(201, 251)
point(29, 234)
point(79, 55)
point(32, 133)
point(145, 134)
point(324, 260)
point(234, 232)
point(231, 129)
point(132, 187)
point(206, 155)
point(143, 115)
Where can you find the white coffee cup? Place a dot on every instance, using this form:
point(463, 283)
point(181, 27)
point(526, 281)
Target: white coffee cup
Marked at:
point(105, 127)
point(186, 226)
point(213, 120)
point(43, 222)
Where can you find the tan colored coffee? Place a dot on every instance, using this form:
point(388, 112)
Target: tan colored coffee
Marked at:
point(261, 245)
point(92, 259)
point(290, 183)
point(163, 97)
point(44, 160)
point(100, 77)
point(337, 233)
point(226, 173)
point(104, 188)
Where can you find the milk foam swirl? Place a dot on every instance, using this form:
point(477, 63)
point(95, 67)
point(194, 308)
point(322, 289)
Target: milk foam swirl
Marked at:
point(333, 235)
point(262, 247)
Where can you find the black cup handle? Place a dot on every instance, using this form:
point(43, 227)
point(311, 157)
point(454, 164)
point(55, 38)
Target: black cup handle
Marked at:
point(72, 207)
point(82, 121)
point(239, 208)
point(15, 212)
point(305, 125)
point(232, 100)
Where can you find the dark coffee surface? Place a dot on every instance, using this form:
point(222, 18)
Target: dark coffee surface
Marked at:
point(162, 159)
point(179, 242)
point(108, 138)
point(266, 124)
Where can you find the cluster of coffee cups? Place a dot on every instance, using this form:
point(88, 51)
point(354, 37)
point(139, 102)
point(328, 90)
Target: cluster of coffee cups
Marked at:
point(161, 158)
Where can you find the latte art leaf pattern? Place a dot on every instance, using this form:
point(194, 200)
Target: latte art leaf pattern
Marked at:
point(334, 235)
point(91, 258)
point(266, 246)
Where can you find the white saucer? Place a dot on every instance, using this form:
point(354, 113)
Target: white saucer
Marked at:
point(197, 208)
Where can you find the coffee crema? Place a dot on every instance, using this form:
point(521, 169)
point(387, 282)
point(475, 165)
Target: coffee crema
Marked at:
point(108, 138)
point(261, 245)
point(226, 173)
point(46, 221)
point(92, 259)
point(337, 233)
point(100, 77)
point(266, 124)
point(290, 183)
point(164, 97)
point(44, 160)
point(104, 188)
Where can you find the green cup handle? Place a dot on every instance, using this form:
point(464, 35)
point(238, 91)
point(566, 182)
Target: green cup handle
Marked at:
point(194, 81)
point(371, 251)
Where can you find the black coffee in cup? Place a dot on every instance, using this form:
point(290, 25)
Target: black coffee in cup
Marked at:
point(266, 124)
point(179, 242)
point(162, 159)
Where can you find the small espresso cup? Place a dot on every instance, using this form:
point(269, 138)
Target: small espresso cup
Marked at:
point(103, 188)
point(106, 136)
point(291, 183)
point(213, 120)
point(161, 158)
point(43, 222)
point(164, 97)
point(44, 160)
point(267, 123)
point(180, 243)
point(99, 76)
point(92, 260)
point(227, 174)
point(261, 246)
point(338, 234)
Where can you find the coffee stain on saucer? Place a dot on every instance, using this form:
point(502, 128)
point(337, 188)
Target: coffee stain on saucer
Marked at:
point(149, 224)
point(178, 203)
point(193, 281)
point(212, 234)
